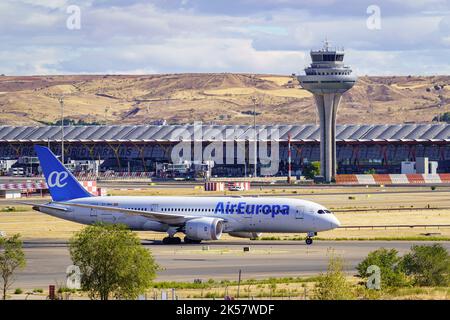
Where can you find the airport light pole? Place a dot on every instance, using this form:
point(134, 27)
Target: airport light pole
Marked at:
point(255, 168)
point(106, 115)
point(61, 102)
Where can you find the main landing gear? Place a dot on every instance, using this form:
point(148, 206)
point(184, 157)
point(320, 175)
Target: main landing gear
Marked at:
point(171, 240)
point(190, 241)
point(177, 240)
point(309, 237)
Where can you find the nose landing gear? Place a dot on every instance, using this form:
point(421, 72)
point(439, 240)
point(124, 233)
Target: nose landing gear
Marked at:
point(309, 237)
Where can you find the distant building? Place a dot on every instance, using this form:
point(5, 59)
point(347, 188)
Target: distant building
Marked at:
point(420, 166)
point(140, 147)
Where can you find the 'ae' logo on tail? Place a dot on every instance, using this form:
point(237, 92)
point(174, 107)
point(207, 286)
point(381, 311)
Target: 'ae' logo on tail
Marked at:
point(56, 179)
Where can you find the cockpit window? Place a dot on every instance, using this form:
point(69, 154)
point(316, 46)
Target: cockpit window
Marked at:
point(320, 212)
point(327, 211)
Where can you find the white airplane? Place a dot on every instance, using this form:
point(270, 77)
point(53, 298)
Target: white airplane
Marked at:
point(199, 218)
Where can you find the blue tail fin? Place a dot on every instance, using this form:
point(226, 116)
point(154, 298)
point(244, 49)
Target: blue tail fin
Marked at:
point(60, 181)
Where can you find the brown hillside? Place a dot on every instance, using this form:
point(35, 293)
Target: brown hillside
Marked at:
point(213, 98)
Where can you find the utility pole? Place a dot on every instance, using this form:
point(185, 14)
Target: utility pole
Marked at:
point(106, 115)
point(289, 158)
point(255, 138)
point(61, 102)
point(239, 283)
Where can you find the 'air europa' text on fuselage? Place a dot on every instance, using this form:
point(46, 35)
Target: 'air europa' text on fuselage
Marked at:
point(245, 208)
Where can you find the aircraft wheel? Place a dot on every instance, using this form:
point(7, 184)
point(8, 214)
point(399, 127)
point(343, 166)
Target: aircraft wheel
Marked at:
point(309, 241)
point(171, 240)
point(190, 241)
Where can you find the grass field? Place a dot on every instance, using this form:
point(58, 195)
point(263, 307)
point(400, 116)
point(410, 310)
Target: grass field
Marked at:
point(273, 288)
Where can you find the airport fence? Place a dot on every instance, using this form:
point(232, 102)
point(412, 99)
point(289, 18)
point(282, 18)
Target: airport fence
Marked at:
point(382, 179)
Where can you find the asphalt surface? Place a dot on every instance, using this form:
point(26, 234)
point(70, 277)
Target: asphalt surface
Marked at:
point(47, 261)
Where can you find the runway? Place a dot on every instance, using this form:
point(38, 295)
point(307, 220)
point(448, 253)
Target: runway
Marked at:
point(47, 260)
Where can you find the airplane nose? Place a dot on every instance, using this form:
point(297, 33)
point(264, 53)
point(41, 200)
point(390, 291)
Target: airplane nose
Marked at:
point(335, 223)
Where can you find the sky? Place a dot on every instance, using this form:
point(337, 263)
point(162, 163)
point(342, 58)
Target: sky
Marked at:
point(380, 37)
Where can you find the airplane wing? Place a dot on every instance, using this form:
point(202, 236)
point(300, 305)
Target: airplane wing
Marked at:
point(168, 218)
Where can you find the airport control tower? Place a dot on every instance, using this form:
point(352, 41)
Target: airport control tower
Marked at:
point(327, 78)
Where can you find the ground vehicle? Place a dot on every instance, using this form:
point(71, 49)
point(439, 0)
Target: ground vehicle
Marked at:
point(236, 188)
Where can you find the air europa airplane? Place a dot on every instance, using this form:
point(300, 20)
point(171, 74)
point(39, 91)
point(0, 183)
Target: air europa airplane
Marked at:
point(199, 218)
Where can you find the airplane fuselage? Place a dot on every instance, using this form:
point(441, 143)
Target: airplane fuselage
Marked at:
point(240, 214)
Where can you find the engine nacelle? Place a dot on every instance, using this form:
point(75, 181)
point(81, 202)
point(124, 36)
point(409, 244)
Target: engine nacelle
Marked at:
point(204, 229)
point(249, 235)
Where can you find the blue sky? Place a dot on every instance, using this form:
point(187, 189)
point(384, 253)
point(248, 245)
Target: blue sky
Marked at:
point(258, 36)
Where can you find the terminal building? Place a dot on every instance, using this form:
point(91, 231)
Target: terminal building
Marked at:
point(141, 148)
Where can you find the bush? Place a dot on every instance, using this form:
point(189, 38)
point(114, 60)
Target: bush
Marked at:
point(428, 265)
point(444, 117)
point(333, 285)
point(66, 290)
point(18, 291)
point(389, 263)
point(311, 170)
point(38, 290)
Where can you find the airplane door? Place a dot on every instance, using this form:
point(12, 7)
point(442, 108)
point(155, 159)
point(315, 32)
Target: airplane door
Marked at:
point(93, 214)
point(154, 207)
point(299, 212)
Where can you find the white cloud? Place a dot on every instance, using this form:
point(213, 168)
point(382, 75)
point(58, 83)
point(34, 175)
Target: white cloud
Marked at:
point(134, 36)
point(50, 4)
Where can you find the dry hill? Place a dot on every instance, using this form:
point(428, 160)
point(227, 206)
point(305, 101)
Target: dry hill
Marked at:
point(213, 98)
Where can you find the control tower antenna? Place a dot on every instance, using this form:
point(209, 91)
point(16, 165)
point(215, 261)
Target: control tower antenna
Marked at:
point(327, 78)
point(326, 44)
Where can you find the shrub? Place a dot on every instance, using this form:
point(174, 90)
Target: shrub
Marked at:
point(66, 290)
point(18, 291)
point(333, 285)
point(429, 265)
point(311, 170)
point(389, 263)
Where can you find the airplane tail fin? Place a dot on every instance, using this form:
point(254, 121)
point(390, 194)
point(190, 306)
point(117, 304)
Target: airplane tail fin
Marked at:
point(61, 183)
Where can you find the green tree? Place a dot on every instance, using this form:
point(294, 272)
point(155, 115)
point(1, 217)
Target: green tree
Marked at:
point(389, 263)
point(12, 258)
point(445, 117)
point(429, 265)
point(112, 261)
point(370, 171)
point(333, 285)
point(312, 169)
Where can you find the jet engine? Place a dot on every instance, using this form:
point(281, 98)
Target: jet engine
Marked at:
point(204, 229)
point(249, 235)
